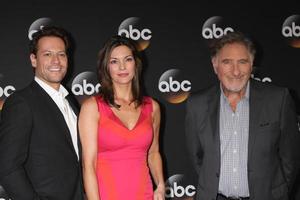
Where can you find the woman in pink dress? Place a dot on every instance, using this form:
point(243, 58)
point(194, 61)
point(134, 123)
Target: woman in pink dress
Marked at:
point(119, 130)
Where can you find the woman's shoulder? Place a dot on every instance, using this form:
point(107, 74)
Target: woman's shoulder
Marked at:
point(96, 99)
point(90, 101)
point(147, 100)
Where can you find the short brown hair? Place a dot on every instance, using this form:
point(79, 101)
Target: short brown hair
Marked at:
point(49, 31)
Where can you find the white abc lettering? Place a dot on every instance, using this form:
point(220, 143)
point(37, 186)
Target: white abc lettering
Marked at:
point(215, 32)
point(228, 29)
point(291, 31)
point(85, 88)
point(180, 191)
point(169, 192)
point(265, 79)
point(163, 86)
point(8, 90)
point(186, 85)
point(123, 31)
point(174, 86)
point(146, 34)
point(135, 34)
point(30, 37)
point(77, 89)
point(190, 190)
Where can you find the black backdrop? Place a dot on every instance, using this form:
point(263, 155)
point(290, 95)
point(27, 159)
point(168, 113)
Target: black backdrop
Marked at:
point(173, 38)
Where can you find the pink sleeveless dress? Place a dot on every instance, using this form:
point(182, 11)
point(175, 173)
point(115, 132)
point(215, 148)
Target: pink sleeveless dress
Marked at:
point(122, 169)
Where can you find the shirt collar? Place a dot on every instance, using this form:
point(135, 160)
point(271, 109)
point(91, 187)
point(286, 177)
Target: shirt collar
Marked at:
point(51, 91)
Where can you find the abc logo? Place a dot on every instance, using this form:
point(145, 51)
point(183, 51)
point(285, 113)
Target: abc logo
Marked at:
point(291, 30)
point(135, 34)
point(211, 28)
point(177, 188)
point(6, 91)
point(85, 84)
point(38, 25)
point(173, 87)
point(85, 88)
point(215, 32)
point(133, 28)
point(179, 191)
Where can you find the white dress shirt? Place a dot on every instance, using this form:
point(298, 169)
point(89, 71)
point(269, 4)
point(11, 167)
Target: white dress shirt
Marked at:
point(234, 133)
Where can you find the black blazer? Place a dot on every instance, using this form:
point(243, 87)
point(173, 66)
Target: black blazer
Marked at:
point(37, 157)
point(273, 146)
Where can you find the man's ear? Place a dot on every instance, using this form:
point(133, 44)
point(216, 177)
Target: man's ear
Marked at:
point(33, 60)
point(214, 63)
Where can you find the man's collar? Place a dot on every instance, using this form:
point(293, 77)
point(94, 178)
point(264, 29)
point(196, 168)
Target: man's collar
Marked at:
point(50, 90)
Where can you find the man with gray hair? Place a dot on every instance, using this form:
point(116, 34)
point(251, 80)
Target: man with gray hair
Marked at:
point(242, 134)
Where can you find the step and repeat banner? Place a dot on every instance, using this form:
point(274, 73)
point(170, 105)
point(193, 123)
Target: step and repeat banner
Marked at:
point(173, 39)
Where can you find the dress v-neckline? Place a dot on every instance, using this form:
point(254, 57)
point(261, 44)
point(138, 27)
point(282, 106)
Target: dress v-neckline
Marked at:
point(120, 122)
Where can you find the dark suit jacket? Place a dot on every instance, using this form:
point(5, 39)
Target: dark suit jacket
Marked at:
point(37, 157)
point(273, 146)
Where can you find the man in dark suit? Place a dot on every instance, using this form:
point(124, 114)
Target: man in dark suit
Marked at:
point(242, 134)
point(39, 144)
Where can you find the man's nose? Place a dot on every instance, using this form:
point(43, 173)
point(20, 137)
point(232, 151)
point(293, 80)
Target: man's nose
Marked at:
point(236, 69)
point(55, 58)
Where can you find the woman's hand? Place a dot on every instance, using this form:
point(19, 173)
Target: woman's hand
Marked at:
point(159, 193)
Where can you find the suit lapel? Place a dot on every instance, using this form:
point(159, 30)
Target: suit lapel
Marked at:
point(56, 112)
point(255, 107)
point(213, 111)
